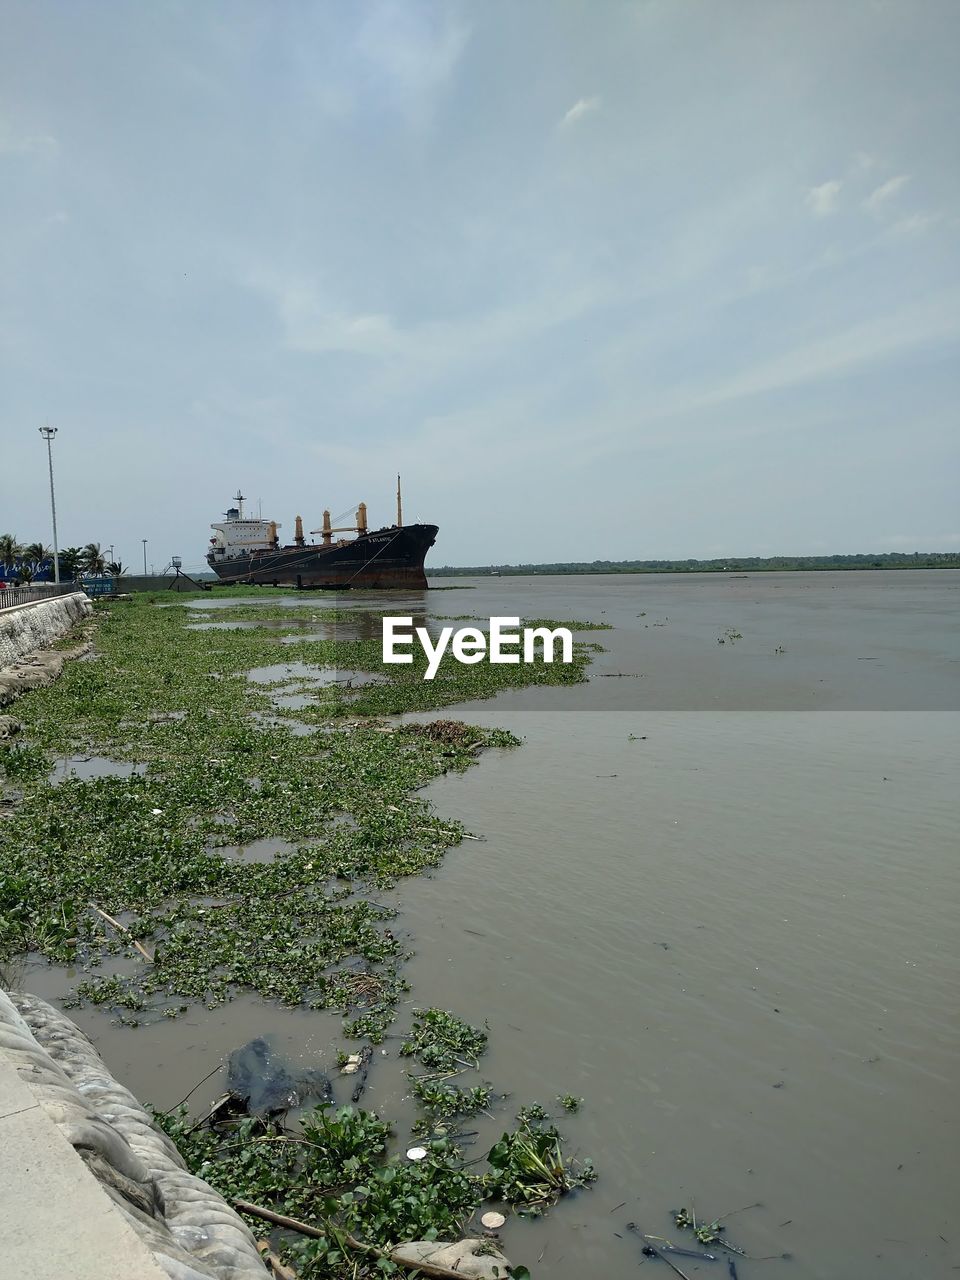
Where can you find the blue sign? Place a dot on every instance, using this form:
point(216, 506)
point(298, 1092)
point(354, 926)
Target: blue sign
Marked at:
point(97, 586)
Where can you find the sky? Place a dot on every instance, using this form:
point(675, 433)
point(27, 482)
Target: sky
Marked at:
point(603, 280)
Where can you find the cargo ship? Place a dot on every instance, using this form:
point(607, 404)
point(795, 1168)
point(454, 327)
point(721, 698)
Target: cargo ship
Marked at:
point(245, 550)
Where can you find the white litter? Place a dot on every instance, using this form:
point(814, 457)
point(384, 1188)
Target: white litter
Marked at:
point(417, 1153)
point(493, 1220)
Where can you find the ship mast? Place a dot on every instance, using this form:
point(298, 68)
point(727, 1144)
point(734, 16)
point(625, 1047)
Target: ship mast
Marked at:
point(239, 501)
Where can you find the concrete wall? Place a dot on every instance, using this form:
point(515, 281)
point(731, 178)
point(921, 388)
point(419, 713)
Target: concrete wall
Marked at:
point(37, 625)
point(154, 1218)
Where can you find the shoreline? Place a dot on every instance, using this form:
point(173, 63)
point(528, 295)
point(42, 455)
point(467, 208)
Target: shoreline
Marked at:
point(121, 707)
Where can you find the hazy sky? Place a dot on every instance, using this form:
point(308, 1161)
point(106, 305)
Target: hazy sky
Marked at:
point(603, 280)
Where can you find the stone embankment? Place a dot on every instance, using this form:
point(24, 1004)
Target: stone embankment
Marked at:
point(158, 1218)
point(91, 1188)
point(26, 633)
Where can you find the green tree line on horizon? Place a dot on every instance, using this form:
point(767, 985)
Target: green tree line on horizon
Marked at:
point(861, 560)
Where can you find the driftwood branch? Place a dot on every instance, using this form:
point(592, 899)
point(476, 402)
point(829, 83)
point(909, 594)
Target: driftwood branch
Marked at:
point(371, 1250)
point(632, 1226)
point(278, 1269)
point(279, 1219)
point(123, 929)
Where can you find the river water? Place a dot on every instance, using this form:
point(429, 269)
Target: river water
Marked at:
point(716, 895)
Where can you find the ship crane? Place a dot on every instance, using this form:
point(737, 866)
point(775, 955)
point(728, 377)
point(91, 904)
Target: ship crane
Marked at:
point(328, 530)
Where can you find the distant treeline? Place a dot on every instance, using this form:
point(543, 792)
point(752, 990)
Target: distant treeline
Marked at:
point(728, 564)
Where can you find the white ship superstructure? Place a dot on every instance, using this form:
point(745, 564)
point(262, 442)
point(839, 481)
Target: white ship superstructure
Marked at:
point(235, 537)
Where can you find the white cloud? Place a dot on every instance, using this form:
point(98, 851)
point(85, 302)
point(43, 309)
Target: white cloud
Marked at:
point(823, 200)
point(935, 321)
point(917, 223)
point(582, 107)
point(886, 191)
point(25, 144)
point(311, 321)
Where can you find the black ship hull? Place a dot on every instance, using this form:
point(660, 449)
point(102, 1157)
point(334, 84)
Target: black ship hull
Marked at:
point(382, 558)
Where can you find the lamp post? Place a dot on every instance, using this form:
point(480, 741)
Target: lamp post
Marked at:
point(144, 541)
point(48, 433)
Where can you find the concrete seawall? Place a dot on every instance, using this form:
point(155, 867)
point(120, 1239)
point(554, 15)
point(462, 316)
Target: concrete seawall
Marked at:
point(89, 1188)
point(28, 627)
point(26, 633)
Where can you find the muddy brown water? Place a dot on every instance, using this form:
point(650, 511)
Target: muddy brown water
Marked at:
point(716, 895)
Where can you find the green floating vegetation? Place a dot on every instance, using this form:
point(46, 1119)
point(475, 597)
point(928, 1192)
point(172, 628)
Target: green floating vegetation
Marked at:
point(22, 762)
point(442, 1042)
point(335, 1173)
point(529, 1169)
point(571, 624)
point(149, 871)
point(248, 855)
point(335, 1176)
point(445, 1103)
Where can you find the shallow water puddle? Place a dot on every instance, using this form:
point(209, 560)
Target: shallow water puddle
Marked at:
point(288, 671)
point(266, 850)
point(87, 767)
point(332, 631)
point(238, 625)
point(296, 727)
point(259, 624)
point(294, 684)
point(292, 701)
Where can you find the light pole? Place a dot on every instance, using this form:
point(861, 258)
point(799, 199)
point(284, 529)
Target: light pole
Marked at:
point(144, 541)
point(48, 433)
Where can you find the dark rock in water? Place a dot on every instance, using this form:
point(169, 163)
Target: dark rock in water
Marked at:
point(266, 1082)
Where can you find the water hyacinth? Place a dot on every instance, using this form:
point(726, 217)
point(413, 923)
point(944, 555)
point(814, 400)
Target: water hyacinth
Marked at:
point(139, 864)
point(224, 767)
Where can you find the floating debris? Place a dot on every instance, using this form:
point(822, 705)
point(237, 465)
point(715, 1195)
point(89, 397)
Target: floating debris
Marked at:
point(262, 1079)
point(493, 1221)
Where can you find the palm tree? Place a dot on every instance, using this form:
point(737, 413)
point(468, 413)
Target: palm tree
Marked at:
point(116, 569)
point(36, 555)
point(25, 572)
point(9, 552)
point(92, 559)
point(70, 562)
